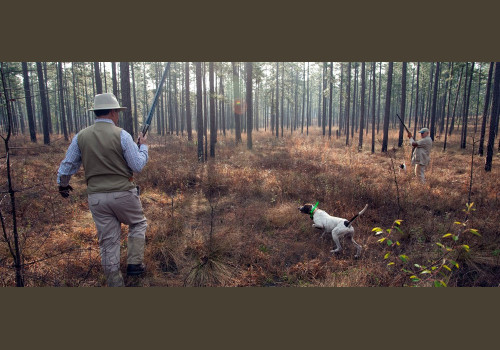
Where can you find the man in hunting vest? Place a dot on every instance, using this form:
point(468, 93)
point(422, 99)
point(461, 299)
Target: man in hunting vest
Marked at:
point(422, 153)
point(110, 156)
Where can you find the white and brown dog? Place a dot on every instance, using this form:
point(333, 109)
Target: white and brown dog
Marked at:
point(339, 227)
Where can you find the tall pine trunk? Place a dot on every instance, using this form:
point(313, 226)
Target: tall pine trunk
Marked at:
point(98, 81)
point(126, 99)
point(373, 108)
point(452, 125)
point(362, 115)
point(188, 104)
point(466, 110)
point(199, 111)
point(494, 118)
point(330, 109)
point(43, 100)
point(213, 131)
point(434, 102)
point(387, 107)
point(277, 127)
point(416, 100)
point(61, 101)
point(403, 104)
point(249, 73)
point(237, 102)
point(348, 103)
point(29, 107)
point(136, 118)
point(486, 108)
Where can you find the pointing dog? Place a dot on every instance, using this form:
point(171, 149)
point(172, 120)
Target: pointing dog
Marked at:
point(339, 227)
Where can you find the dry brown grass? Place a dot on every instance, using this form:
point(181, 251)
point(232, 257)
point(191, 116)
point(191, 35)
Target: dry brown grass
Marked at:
point(234, 221)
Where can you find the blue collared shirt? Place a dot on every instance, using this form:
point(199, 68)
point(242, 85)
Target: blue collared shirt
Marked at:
point(136, 157)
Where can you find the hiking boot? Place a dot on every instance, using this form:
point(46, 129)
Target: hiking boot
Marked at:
point(114, 279)
point(135, 269)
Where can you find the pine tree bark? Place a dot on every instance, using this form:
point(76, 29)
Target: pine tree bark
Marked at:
point(340, 119)
point(403, 104)
point(27, 97)
point(199, 111)
point(237, 102)
point(223, 104)
point(373, 108)
point(323, 122)
point(308, 107)
point(303, 98)
point(61, 101)
point(113, 77)
point(43, 101)
point(249, 99)
point(450, 78)
point(486, 108)
point(330, 109)
point(387, 107)
point(348, 104)
point(98, 81)
point(494, 118)
point(452, 124)
point(362, 112)
point(126, 99)
point(434, 102)
point(277, 127)
point(213, 131)
point(188, 104)
point(466, 110)
point(136, 118)
point(176, 102)
point(282, 106)
point(354, 100)
point(47, 97)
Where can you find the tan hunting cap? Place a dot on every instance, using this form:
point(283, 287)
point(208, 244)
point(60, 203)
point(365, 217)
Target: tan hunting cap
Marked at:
point(423, 130)
point(106, 101)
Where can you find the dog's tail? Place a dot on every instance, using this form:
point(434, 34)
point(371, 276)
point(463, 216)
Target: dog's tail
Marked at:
point(348, 223)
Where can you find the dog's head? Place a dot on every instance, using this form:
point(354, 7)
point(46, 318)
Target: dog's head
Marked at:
point(306, 208)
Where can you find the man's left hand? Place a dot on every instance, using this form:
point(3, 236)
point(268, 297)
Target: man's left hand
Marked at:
point(64, 191)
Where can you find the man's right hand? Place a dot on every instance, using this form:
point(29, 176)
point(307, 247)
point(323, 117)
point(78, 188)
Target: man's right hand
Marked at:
point(142, 140)
point(64, 191)
point(410, 135)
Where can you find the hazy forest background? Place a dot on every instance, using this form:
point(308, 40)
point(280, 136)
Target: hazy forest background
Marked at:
point(236, 147)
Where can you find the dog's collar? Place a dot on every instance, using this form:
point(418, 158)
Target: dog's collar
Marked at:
point(313, 209)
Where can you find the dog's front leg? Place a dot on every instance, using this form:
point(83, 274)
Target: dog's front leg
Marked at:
point(324, 231)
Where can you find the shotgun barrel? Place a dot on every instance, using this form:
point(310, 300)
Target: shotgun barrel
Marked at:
point(402, 123)
point(155, 100)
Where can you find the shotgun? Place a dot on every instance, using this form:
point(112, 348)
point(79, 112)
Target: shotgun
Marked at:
point(408, 131)
point(155, 100)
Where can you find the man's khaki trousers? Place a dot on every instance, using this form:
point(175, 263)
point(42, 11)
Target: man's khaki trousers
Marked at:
point(109, 210)
point(420, 172)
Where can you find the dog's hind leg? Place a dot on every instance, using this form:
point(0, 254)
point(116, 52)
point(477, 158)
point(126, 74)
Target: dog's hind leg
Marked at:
point(358, 247)
point(335, 237)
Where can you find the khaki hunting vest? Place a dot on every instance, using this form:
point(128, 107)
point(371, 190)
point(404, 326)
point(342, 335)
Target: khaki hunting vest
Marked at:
point(106, 169)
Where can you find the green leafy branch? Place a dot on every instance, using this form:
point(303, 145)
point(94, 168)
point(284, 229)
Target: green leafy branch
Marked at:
point(438, 271)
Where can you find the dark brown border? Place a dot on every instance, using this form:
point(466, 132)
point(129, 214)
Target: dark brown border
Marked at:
point(255, 31)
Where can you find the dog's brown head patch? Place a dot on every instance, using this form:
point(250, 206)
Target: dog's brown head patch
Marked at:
point(306, 208)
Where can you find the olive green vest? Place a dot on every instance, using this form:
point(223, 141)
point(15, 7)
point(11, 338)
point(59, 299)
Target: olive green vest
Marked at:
point(106, 169)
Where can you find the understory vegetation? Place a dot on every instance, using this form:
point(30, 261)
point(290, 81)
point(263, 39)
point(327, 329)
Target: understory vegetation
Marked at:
point(233, 221)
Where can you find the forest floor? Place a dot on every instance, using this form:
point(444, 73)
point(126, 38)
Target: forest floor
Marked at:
point(233, 221)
